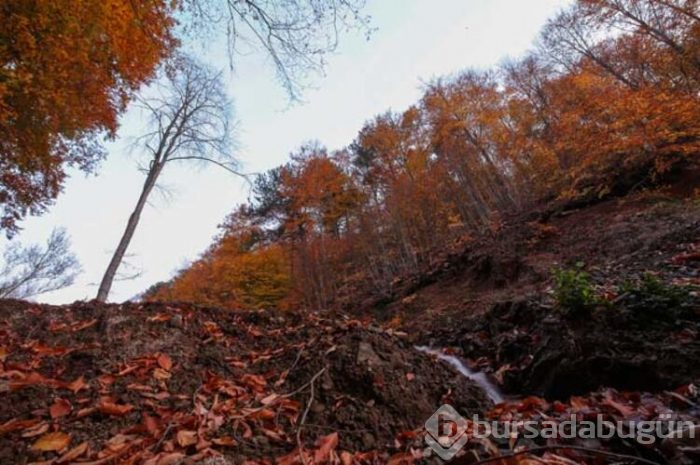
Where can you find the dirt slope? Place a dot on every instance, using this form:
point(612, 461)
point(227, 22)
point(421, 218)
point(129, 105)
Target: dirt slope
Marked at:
point(157, 384)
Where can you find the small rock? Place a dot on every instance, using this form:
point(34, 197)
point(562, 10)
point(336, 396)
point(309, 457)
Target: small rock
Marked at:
point(368, 441)
point(317, 407)
point(326, 382)
point(261, 441)
point(366, 354)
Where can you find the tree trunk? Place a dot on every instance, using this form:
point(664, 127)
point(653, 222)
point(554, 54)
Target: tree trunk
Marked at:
point(110, 273)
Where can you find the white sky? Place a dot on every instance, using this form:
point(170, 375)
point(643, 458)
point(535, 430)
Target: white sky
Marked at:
point(416, 40)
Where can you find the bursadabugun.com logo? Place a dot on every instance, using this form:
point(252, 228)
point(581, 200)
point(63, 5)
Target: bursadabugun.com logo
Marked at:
point(447, 432)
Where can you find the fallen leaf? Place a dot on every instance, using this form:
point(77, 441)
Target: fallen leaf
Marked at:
point(52, 442)
point(326, 445)
point(269, 399)
point(410, 376)
point(111, 408)
point(60, 408)
point(171, 459)
point(402, 458)
point(151, 425)
point(346, 458)
point(225, 441)
point(164, 362)
point(36, 430)
point(161, 374)
point(77, 385)
point(15, 425)
point(186, 438)
point(73, 454)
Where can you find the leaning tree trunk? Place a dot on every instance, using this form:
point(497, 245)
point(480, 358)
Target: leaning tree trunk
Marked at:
point(118, 256)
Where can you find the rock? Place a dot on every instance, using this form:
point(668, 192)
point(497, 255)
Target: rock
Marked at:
point(366, 354)
point(262, 441)
point(317, 407)
point(326, 382)
point(368, 441)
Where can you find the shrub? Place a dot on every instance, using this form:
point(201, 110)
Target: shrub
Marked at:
point(573, 290)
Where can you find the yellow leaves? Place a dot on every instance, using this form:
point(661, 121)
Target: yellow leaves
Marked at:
point(52, 442)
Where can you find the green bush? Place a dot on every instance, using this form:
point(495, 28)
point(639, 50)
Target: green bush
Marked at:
point(573, 290)
point(654, 291)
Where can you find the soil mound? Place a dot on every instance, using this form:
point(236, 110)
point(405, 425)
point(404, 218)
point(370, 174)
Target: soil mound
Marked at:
point(157, 384)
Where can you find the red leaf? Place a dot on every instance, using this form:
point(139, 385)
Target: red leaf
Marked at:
point(225, 441)
point(110, 408)
point(164, 362)
point(60, 408)
point(73, 454)
point(77, 385)
point(151, 425)
point(326, 445)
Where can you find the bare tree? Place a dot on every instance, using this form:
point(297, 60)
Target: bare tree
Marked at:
point(190, 118)
point(295, 34)
point(34, 269)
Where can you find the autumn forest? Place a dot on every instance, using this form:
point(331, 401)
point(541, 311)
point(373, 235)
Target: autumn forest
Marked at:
point(607, 101)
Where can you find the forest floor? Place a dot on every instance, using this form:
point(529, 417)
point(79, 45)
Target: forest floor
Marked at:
point(158, 384)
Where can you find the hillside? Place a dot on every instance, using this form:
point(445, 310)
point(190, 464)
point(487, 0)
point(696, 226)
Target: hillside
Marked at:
point(168, 383)
point(501, 268)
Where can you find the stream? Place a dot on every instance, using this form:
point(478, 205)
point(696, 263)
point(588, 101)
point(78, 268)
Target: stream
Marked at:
point(479, 378)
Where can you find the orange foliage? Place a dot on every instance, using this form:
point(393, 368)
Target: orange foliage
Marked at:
point(610, 101)
point(231, 275)
point(67, 69)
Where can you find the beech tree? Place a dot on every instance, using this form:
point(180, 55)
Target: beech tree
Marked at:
point(296, 35)
point(190, 119)
point(34, 269)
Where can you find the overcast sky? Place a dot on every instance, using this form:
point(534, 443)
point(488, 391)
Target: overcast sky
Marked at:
point(416, 40)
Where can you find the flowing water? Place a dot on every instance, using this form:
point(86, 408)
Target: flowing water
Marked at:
point(479, 378)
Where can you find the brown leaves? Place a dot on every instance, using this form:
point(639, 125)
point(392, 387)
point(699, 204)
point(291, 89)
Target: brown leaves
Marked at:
point(52, 442)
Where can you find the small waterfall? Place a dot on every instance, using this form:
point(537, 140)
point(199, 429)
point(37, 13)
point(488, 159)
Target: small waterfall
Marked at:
point(490, 389)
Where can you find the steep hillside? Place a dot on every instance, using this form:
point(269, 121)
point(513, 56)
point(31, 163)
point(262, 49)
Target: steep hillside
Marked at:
point(614, 332)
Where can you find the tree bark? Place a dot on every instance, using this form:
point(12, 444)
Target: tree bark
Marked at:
point(110, 273)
